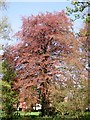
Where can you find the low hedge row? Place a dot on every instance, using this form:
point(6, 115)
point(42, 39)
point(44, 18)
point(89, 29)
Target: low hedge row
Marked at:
point(84, 116)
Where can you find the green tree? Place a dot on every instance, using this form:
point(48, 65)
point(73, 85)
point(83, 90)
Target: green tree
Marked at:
point(79, 10)
point(2, 4)
point(9, 96)
point(5, 27)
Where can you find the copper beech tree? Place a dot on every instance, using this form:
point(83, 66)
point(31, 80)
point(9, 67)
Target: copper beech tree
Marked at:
point(45, 40)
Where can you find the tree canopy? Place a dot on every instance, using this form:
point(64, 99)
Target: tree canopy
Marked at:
point(47, 61)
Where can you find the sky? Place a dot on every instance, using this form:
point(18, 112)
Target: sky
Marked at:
point(15, 11)
point(38, 0)
point(45, 0)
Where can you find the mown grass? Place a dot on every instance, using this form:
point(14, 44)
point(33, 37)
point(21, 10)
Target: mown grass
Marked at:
point(29, 113)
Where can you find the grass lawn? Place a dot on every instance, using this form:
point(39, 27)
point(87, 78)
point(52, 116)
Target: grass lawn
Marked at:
point(35, 113)
point(29, 113)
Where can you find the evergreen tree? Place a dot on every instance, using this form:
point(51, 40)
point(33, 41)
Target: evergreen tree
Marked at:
point(9, 96)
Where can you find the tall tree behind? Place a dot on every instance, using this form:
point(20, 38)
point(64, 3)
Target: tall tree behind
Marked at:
point(7, 95)
point(81, 11)
point(4, 28)
point(4, 25)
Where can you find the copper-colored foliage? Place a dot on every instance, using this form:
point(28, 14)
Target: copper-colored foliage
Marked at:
point(47, 39)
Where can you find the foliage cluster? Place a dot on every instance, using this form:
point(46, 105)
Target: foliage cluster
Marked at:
point(80, 10)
